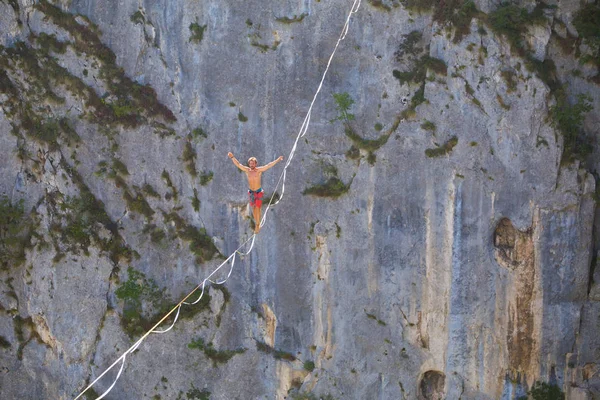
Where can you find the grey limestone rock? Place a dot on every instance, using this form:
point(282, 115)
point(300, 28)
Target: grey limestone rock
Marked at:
point(452, 260)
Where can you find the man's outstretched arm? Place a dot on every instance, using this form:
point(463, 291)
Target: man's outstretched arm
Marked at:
point(236, 162)
point(269, 165)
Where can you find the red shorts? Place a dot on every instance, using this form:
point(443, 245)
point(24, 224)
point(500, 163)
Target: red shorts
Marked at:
point(255, 197)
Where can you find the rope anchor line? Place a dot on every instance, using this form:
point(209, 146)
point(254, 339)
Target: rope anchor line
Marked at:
point(202, 285)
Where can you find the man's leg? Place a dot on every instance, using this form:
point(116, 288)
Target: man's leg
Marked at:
point(256, 213)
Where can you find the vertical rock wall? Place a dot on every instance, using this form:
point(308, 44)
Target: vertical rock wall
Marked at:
point(454, 258)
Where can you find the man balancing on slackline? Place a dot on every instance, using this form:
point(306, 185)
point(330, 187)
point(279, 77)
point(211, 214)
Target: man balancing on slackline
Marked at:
point(255, 192)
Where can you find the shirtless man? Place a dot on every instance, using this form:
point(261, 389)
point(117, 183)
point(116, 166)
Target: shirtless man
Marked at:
point(255, 193)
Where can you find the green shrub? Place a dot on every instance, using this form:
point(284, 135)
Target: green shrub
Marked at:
point(568, 119)
point(442, 150)
point(149, 190)
point(353, 153)
point(138, 18)
point(369, 145)
point(510, 79)
point(333, 188)
point(409, 46)
point(309, 366)
point(545, 70)
point(49, 42)
point(189, 158)
point(196, 32)
point(277, 354)
point(137, 203)
point(587, 23)
point(196, 201)
point(343, 102)
point(206, 177)
point(456, 12)
point(428, 126)
point(419, 72)
point(13, 233)
point(379, 4)
point(131, 96)
point(217, 356)
point(196, 394)
point(167, 178)
point(199, 133)
point(546, 391)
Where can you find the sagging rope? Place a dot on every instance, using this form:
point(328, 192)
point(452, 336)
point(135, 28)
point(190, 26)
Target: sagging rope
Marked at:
point(177, 308)
point(202, 285)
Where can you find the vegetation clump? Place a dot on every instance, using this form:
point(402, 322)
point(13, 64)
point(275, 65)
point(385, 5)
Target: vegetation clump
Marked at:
point(189, 158)
point(568, 119)
point(295, 18)
point(512, 21)
point(277, 354)
point(217, 356)
point(428, 125)
point(369, 145)
point(167, 178)
point(127, 98)
point(144, 303)
point(417, 99)
point(419, 72)
point(49, 42)
point(379, 4)
point(199, 133)
point(457, 13)
point(309, 366)
point(442, 150)
point(409, 46)
point(546, 391)
point(13, 233)
point(196, 32)
point(82, 215)
point(200, 243)
point(137, 203)
point(196, 201)
point(196, 394)
point(138, 18)
point(587, 23)
point(206, 177)
point(343, 102)
point(333, 187)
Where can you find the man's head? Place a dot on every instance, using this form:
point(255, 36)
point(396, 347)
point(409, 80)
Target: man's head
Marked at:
point(252, 162)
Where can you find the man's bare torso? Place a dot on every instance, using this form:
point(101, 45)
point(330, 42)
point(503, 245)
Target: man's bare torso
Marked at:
point(253, 178)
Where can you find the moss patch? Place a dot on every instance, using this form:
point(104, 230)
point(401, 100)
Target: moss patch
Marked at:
point(216, 356)
point(15, 228)
point(277, 354)
point(333, 188)
point(144, 304)
point(291, 20)
point(196, 32)
point(440, 151)
point(200, 243)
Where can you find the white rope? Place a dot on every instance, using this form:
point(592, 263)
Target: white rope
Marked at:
point(306, 122)
point(301, 133)
point(116, 379)
point(153, 329)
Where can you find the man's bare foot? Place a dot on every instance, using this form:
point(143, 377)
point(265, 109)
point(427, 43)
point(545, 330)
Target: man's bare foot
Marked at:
point(257, 229)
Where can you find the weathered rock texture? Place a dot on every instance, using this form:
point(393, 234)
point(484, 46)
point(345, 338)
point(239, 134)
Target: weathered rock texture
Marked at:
point(455, 258)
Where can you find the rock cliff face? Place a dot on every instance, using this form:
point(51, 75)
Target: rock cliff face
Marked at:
point(440, 244)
